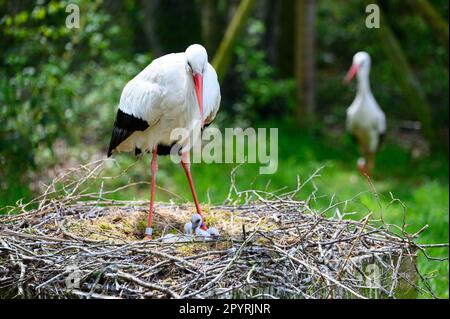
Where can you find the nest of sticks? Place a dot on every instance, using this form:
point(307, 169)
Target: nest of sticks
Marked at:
point(74, 243)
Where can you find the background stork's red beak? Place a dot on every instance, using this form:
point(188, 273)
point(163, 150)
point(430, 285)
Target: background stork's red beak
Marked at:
point(351, 73)
point(198, 81)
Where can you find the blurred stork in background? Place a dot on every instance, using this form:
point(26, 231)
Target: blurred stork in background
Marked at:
point(365, 119)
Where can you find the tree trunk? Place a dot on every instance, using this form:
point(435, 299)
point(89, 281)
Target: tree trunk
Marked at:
point(305, 12)
point(209, 23)
point(285, 47)
point(433, 19)
point(223, 56)
point(412, 90)
point(149, 26)
point(270, 18)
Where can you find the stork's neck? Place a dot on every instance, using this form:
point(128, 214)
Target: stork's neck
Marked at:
point(364, 84)
point(190, 93)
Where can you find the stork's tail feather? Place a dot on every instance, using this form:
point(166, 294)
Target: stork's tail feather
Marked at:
point(118, 136)
point(125, 125)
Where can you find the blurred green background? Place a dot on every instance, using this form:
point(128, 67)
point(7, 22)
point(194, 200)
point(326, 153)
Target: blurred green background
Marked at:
point(59, 90)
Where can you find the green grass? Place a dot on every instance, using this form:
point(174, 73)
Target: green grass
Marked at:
point(420, 184)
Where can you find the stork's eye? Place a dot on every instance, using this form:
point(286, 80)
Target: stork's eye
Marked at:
point(189, 67)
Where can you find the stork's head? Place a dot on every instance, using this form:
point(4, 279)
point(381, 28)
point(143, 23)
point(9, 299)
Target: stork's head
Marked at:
point(360, 66)
point(196, 221)
point(197, 61)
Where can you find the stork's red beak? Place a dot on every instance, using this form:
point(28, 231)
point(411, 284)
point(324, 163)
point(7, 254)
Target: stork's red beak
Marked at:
point(198, 81)
point(351, 73)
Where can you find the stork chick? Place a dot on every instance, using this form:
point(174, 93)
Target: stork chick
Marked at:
point(191, 227)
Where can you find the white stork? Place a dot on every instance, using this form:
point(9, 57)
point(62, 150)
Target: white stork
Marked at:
point(365, 119)
point(175, 91)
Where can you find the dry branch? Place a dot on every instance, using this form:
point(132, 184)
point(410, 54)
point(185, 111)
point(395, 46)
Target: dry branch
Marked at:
point(73, 243)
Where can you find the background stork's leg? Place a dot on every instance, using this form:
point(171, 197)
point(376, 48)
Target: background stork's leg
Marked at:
point(154, 170)
point(185, 162)
point(370, 163)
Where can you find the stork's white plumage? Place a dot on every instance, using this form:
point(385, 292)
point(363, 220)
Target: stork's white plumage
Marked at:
point(365, 119)
point(175, 91)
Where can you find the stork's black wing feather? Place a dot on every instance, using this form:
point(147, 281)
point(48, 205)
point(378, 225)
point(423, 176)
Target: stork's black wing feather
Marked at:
point(125, 125)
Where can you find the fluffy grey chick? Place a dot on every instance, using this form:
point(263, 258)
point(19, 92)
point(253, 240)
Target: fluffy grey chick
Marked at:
point(171, 238)
point(193, 226)
point(201, 232)
point(213, 232)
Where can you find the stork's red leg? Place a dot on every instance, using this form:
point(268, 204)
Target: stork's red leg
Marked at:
point(154, 170)
point(370, 163)
point(187, 168)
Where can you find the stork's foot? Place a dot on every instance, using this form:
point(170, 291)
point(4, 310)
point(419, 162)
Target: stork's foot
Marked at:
point(199, 219)
point(148, 233)
point(203, 223)
point(361, 164)
point(362, 167)
point(210, 232)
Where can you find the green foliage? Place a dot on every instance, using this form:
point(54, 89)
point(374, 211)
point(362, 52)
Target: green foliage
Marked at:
point(262, 91)
point(57, 83)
